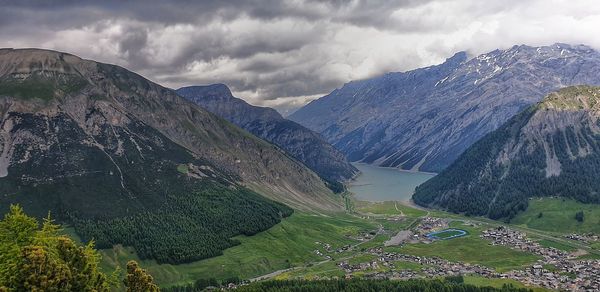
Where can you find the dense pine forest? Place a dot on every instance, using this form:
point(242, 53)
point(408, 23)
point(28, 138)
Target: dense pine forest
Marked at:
point(497, 175)
point(190, 226)
point(371, 285)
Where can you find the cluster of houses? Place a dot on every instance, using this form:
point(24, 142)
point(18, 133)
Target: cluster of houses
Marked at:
point(557, 269)
point(574, 276)
point(564, 270)
point(430, 267)
point(586, 238)
point(426, 226)
point(434, 266)
point(364, 236)
point(366, 266)
point(429, 224)
point(325, 256)
point(328, 248)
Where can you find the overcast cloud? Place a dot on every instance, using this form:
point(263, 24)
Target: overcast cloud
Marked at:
point(283, 53)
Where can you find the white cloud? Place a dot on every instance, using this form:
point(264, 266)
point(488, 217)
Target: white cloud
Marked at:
point(293, 51)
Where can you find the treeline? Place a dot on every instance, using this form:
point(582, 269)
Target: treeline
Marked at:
point(477, 184)
point(188, 227)
point(203, 285)
point(360, 285)
point(37, 257)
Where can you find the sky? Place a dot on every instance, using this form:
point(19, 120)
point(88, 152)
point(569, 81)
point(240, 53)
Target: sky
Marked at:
point(284, 53)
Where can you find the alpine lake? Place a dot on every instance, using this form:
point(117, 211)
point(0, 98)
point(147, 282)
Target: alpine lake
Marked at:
point(378, 184)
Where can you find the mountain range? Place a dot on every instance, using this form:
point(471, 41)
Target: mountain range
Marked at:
point(425, 118)
point(550, 149)
point(266, 123)
point(125, 160)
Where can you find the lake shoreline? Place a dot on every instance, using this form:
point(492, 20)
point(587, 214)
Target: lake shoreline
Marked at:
point(377, 183)
point(391, 168)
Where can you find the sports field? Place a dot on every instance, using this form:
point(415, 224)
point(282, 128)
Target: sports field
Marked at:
point(447, 234)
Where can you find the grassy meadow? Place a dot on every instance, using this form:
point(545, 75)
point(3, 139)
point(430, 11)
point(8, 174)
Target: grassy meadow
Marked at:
point(471, 249)
point(289, 243)
point(558, 216)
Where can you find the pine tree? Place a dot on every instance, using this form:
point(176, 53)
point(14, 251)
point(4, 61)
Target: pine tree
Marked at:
point(138, 280)
point(16, 231)
point(33, 259)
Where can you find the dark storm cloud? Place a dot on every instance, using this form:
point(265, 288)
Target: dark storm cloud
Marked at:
point(284, 52)
point(373, 12)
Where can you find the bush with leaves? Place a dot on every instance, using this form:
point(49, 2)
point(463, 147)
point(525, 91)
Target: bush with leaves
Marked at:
point(138, 280)
point(40, 258)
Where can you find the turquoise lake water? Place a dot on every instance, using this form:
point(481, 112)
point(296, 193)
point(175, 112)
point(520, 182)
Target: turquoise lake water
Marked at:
point(386, 184)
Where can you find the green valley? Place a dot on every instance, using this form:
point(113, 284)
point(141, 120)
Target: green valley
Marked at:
point(288, 244)
point(337, 245)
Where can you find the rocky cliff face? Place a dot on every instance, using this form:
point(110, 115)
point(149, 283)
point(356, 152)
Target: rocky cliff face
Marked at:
point(423, 119)
point(301, 143)
point(550, 149)
point(70, 125)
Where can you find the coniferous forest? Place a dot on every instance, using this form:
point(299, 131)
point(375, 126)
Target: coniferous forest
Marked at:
point(485, 181)
point(358, 285)
point(188, 227)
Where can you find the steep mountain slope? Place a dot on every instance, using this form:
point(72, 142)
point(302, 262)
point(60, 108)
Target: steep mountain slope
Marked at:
point(128, 161)
point(423, 119)
point(550, 149)
point(302, 143)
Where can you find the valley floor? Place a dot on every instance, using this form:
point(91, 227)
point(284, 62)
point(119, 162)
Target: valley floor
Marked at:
point(357, 244)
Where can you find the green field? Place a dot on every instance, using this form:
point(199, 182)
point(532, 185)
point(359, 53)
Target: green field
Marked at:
point(445, 234)
point(404, 265)
point(183, 168)
point(388, 208)
point(558, 216)
point(498, 283)
point(328, 269)
point(471, 249)
point(290, 243)
point(361, 259)
point(557, 245)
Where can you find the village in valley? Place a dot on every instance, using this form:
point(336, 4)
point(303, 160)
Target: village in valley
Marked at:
point(410, 252)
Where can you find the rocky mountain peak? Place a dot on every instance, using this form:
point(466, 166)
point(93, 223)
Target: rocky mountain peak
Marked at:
point(30, 61)
point(457, 58)
point(424, 118)
point(217, 91)
point(573, 98)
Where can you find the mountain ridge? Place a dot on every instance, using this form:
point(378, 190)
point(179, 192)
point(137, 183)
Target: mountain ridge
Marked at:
point(301, 143)
point(187, 135)
point(550, 149)
point(424, 118)
point(127, 161)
